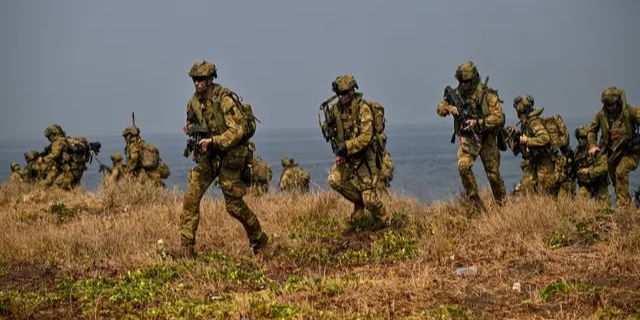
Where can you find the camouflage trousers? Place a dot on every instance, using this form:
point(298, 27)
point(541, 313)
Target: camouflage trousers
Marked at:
point(619, 174)
point(233, 189)
point(488, 151)
point(597, 191)
point(64, 178)
point(360, 188)
point(538, 175)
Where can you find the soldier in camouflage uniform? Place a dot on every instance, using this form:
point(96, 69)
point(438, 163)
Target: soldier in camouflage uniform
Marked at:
point(261, 173)
point(538, 166)
point(488, 119)
point(293, 178)
point(592, 170)
point(16, 174)
point(616, 120)
point(223, 155)
point(65, 166)
point(134, 153)
point(33, 170)
point(355, 174)
point(117, 171)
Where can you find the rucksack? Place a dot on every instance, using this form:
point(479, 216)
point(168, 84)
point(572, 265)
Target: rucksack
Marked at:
point(77, 148)
point(379, 123)
point(558, 132)
point(149, 156)
point(248, 118)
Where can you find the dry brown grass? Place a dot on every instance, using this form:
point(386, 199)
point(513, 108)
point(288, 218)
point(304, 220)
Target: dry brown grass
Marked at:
point(94, 255)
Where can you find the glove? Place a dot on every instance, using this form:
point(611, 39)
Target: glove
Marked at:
point(342, 150)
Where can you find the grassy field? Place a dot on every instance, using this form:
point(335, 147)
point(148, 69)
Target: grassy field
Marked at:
point(70, 255)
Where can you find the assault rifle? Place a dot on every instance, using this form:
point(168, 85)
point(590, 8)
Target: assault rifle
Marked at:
point(465, 112)
point(328, 124)
point(513, 140)
point(196, 132)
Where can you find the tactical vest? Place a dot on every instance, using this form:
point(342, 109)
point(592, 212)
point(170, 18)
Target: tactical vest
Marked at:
point(603, 121)
point(208, 110)
point(348, 123)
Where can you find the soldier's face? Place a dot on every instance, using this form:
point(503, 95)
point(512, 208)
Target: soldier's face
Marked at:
point(466, 86)
point(345, 98)
point(200, 83)
point(613, 107)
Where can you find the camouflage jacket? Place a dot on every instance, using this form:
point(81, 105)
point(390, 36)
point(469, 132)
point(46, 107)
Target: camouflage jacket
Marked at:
point(294, 178)
point(612, 129)
point(597, 165)
point(117, 172)
point(133, 153)
point(538, 136)
point(355, 129)
point(216, 110)
point(488, 111)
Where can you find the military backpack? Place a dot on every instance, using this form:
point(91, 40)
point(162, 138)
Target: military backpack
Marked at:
point(558, 132)
point(76, 150)
point(248, 118)
point(149, 156)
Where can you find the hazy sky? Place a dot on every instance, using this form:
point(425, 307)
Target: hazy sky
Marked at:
point(88, 64)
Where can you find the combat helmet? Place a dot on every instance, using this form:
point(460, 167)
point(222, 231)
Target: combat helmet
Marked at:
point(344, 83)
point(523, 104)
point(582, 132)
point(31, 155)
point(467, 71)
point(203, 69)
point(15, 166)
point(131, 131)
point(287, 162)
point(611, 95)
point(54, 130)
point(116, 157)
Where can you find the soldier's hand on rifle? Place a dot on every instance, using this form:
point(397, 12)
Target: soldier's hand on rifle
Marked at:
point(470, 124)
point(340, 160)
point(454, 111)
point(524, 139)
point(205, 144)
point(594, 150)
point(342, 150)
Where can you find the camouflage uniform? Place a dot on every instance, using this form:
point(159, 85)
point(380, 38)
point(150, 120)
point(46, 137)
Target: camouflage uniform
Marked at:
point(538, 166)
point(261, 175)
point(616, 120)
point(592, 171)
point(356, 178)
point(16, 174)
point(134, 163)
point(117, 172)
point(483, 142)
point(226, 158)
point(293, 178)
point(65, 167)
point(34, 169)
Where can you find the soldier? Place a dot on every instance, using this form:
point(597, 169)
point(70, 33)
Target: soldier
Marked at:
point(223, 153)
point(293, 178)
point(33, 169)
point(66, 158)
point(143, 159)
point(616, 122)
point(16, 174)
point(261, 175)
point(355, 174)
point(538, 166)
point(592, 170)
point(478, 133)
point(117, 171)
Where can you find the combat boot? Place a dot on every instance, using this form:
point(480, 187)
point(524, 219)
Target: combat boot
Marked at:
point(185, 252)
point(260, 243)
point(358, 212)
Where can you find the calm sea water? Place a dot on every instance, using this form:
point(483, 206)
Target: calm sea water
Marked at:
point(426, 165)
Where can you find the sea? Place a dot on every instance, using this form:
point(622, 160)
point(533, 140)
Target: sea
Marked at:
point(425, 160)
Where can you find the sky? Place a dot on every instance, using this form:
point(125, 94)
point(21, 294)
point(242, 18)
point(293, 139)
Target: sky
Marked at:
point(88, 64)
